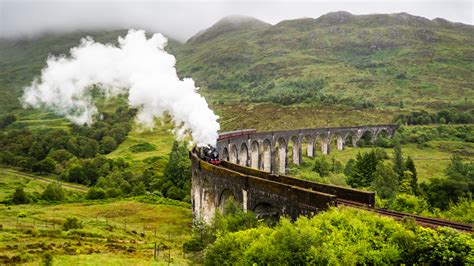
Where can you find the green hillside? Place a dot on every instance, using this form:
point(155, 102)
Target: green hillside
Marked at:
point(356, 61)
point(336, 68)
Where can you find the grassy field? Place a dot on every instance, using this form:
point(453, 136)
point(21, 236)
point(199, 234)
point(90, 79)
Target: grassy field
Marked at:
point(113, 233)
point(146, 147)
point(265, 117)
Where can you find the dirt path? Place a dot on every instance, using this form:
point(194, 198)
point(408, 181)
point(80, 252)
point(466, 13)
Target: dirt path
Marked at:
point(43, 179)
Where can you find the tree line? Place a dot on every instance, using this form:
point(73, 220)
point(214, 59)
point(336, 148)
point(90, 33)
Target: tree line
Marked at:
point(446, 116)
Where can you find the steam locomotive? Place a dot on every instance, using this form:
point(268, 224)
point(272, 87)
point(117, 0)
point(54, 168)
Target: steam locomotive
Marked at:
point(209, 154)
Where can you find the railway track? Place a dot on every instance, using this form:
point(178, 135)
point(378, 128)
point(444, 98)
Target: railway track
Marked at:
point(421, 220)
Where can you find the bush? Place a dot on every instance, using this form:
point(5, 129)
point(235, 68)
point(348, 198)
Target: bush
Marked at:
point(6, 120)
point(441, 192)
point(47, 259)
point(462, 212)
point(19, 196)
point(47, 165)
point(107, 145)
point(96, 193)
point(409, 203)
point(72, 223)
point(194, 244)
point(53, 192)
point(322, 166)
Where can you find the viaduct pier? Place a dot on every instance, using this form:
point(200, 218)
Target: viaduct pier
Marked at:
point(270, 151)
point(256, 178)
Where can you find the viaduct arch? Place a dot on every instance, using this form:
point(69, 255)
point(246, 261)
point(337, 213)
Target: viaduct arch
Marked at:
point(269, 151)
point(253, 172)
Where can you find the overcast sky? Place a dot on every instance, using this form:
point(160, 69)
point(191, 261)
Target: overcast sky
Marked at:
point(183, 18)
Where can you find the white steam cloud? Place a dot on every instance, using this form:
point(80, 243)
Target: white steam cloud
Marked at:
point(139, 66)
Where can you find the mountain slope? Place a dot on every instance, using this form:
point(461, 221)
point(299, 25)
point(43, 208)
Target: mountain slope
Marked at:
point(338, 58)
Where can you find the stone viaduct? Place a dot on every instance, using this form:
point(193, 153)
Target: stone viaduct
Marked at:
point(269, 151)
point(250, 175)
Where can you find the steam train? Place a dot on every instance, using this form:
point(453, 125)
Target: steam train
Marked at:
point(209, 154)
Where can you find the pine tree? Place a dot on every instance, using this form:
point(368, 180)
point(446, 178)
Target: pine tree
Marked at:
point(410, 166)
point(456, 169)
point(398, 163)
point(362, 173)
point(385, 181)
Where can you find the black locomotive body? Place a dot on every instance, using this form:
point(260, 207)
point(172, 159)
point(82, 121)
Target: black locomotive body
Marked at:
point(209, 154)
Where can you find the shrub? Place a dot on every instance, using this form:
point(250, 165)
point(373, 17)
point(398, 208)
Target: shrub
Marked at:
point(53, 192)
point(441, 192)
point(47, 259)
point(194, 244)
point(322, 166)
point(19, 196)
point(409, 203)
point(107, 145)
point(96, 193)
point(47, 165)
point(6, 120)
point(72, 223)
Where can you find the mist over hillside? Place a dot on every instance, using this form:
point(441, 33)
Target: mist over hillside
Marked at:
point(336, 58)
point(356, 60)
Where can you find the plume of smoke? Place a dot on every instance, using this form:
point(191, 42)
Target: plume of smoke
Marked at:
point(138, 66)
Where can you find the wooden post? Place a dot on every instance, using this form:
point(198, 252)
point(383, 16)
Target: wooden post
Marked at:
point(169, 248)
